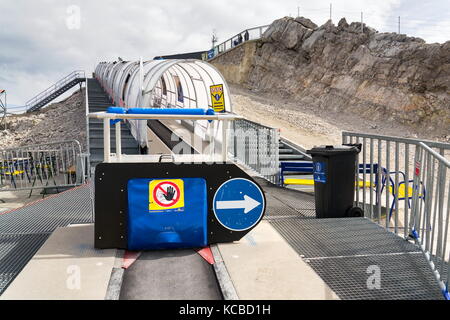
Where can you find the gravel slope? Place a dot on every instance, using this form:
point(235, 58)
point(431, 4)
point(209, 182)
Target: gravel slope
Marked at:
point(59, 121)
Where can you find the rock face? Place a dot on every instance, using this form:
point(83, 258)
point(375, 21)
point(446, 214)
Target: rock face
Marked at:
point(235, 64)
point(344, 68)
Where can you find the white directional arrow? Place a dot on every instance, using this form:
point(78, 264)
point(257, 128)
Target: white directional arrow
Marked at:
point(248, 204)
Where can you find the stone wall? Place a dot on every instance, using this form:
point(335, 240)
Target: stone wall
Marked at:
point(236, 64)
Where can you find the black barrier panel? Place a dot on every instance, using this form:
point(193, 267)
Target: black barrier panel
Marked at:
point(111, 201)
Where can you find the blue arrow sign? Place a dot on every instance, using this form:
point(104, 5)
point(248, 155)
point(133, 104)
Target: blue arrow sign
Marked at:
point(239, 204)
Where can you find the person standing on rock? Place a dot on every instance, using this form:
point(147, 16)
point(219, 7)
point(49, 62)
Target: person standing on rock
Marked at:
point(246, 36)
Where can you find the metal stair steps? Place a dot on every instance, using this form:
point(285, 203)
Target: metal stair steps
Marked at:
point(60, 87)
point(99, 101)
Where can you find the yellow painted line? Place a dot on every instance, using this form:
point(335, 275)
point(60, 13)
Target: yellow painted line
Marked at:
point(310, 182)
point(302, 182)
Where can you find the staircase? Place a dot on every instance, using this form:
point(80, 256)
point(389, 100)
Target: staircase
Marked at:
point(100, 101)
point(290, 152)
point(55, 90)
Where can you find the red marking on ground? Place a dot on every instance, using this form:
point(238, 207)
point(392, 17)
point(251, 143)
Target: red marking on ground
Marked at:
point(129, 258)
point(206, 254)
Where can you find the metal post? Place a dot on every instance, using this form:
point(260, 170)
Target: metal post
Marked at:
point(388, 182)
point(398, 24)
point(406, 215)
point(106, 141)
point(364, 174)
point(362, 26)
point(224, 140)
point(118, 141)
point(331, 10)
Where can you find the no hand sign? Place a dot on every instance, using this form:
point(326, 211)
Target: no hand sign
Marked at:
point(166, 195)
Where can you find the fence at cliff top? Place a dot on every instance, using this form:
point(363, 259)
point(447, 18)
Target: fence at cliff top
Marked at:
point(253, 34)
point(44, 166)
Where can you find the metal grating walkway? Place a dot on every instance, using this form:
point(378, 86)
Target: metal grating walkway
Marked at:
point(340, 251)
point(23, 231)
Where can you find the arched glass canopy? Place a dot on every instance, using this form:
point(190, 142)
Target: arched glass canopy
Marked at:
point(162, 84)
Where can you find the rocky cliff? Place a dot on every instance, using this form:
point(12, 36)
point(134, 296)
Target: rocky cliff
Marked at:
point(352, 69)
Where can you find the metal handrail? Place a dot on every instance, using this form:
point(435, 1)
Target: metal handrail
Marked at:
point(411, 177)
point(430, 143)
point(388, 187)
point(217, 50)
point(223, 117)
point(430, 219)
point(78, 74)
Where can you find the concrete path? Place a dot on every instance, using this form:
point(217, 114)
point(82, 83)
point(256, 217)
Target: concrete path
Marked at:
point(66, 267)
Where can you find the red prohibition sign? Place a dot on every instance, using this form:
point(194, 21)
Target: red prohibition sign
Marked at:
point(174, 201)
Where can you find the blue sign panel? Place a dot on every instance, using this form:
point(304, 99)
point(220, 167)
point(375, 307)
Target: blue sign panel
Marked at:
point(239, 204)
point(320, 174)
point(167, 213)
point(211, 54)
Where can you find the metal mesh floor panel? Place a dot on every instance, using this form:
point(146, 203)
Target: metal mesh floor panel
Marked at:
point(15, 252)
point(340, 237)
point(340, 251)
point(23, 231)
point(402, 277)
point(282, 202)
point(73, 206)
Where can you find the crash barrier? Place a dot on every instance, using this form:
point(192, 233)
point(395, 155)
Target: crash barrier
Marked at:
point(256, 147)
point(43, 166)
point(144, 202)
point(430, 215)
point(384, 187)
point(252, 34)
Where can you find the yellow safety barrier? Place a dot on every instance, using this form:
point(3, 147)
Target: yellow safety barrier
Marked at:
point(310, 182)
point(402, 191)
point(15, 173)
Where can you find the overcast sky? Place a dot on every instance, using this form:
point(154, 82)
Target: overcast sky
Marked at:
point(43, 40)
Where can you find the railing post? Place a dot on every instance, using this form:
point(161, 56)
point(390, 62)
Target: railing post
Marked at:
point(224, 140)
point(106, 141)
point(118, 141)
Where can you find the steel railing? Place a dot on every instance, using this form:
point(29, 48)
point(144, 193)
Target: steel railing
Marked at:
point(79, 74)
point(50, 165)
point(222, 118)
point(403, 184)
point(257, 147)
point(253, 34)
point(384, 179)
point(429, 225)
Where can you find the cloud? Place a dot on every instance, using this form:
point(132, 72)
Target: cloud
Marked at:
point(39, 43)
